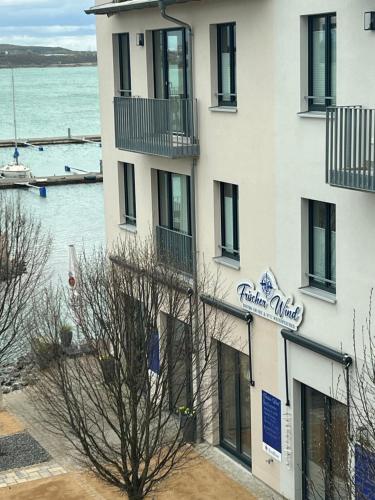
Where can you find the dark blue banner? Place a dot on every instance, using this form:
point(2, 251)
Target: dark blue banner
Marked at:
point(364, 474)
point(271, 422)
point(154, 355)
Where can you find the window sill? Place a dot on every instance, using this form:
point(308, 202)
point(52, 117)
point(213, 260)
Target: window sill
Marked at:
point(312, 114)
point(319, 294)
point(227, 262)
point(128, 227)
point(223, 109)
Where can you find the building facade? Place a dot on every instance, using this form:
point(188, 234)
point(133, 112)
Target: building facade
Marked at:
point(240, 135)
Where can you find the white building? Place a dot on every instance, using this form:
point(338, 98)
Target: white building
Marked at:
point(223, 148)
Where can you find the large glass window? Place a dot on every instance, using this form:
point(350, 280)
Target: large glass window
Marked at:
point(174, 202)
point(235, 419)
point(322, 245)
point(124, 64)
point(226, 46)
point(129, 190)
point(179, 363)
point(322, 61)
point(169, 63)
point(325, 452)
point(229, 221)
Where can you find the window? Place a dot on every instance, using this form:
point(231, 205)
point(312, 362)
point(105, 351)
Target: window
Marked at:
point(234, 402)
point(169, 48)
point(124, 64)
point(229, 221)
point(129, 190)
point(322, 244)
point(174, 202)
point(324, 442)
point(322, 62)
point(179, 363)
point(226, 54)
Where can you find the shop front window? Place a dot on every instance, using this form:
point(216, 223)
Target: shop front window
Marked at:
point(325, 453)
point(235, 423)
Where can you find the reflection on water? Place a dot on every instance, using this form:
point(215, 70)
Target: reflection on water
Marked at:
point(72, 214)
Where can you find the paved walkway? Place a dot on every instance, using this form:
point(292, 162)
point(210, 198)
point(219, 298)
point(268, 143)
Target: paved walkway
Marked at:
point(65, 461)
point(40, 471)
point(62, 452)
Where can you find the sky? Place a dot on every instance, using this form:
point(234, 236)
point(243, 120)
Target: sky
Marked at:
point(60, 23)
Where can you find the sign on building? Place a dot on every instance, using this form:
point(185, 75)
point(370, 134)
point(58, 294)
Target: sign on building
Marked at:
point(271, 425)
point(267, 300)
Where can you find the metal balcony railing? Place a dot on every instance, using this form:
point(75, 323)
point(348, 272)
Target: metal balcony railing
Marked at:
point(175, 248)
point(350, 158)
point(161, 127)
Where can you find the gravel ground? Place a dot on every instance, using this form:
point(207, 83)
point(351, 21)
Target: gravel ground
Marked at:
point(20, 450)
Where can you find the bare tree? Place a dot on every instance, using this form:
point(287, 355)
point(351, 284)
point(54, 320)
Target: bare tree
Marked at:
point(131, 407)
point(24, 251)
point(343, 452)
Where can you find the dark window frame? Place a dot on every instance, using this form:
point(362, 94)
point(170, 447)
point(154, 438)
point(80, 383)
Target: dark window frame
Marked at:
point(329, 287)
point(165, 60)
point(129, 219)
point(170, 201)
point(233, 64)
point(328, 61)
point(124, 92)
point(328, 435)
point(236, 244)
point(188, 349)
point(237, 452)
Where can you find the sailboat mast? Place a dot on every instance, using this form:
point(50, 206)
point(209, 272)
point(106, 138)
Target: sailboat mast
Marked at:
point(14, 117)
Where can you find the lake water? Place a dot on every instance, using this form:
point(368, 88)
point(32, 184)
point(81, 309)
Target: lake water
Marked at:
point(49, 101)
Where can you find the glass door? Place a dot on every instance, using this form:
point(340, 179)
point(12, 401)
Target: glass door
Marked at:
point(234, 401)
point(170, 74)
point(325, 452)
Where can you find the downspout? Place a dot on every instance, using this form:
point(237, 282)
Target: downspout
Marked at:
point(189, 30)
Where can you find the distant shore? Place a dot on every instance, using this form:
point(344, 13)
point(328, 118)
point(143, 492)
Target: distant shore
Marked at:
point(66, 65)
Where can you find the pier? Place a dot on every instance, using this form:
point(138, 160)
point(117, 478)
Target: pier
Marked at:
point(52, 180)
point(49, 141)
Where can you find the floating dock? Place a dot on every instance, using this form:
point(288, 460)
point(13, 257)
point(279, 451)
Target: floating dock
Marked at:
point(48, 141)
point(52, 180)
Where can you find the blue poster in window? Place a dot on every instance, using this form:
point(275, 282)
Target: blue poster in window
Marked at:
point(364, 473)
point(271, 425)
point(153, 354)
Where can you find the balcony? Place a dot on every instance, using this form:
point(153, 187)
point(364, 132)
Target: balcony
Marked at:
point(175, 248)
point(161, 127)
point(350, 156)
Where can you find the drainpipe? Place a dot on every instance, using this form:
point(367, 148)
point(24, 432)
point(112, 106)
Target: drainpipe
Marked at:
point(189, 29)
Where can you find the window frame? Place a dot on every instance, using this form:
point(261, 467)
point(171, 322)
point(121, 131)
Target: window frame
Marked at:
point(124, 92)
point(164, 34)
point(328, 403)
point(317, 283)
point(187, 348)
point(328, 62)
point(170, 201)
point(235, 255)
point(130, 220)
point(233, 64)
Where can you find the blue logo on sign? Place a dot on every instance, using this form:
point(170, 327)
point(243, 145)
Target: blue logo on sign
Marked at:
point(267, 286)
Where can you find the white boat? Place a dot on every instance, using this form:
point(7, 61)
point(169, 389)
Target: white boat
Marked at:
point(15, 169)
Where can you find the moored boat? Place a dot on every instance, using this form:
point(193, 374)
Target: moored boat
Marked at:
point(15, 171)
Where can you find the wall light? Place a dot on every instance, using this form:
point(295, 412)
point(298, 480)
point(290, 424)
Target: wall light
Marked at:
point(140, 38)
point(369, 21)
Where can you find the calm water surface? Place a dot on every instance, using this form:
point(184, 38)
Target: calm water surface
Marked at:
point(48, 101)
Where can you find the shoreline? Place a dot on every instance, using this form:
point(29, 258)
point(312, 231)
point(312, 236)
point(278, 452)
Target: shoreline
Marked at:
point(68, 65)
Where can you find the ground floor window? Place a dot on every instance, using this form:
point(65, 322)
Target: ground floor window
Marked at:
point(325, 451)
point(234, 402)
point(179, 363)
